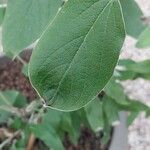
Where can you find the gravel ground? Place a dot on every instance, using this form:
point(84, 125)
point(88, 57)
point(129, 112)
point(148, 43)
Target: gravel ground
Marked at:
point(139, 131)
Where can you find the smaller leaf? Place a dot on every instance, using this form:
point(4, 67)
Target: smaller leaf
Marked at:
point(17, 123)
point(20, 101)
point(94, 112)
point(144, 76)
point(25, 21)
point(133, 70)
point(4, 116)
point(2, 13)
point(114, 90)
point(79, 118)
point(53, 118)
point(61, 122)
point(137, 106)
point(7, 98)
point(106, 130)
point(122, 72)
point(134, 106)
point(111, 110)
point(66, 125)
point(25, 70)
point(132, 117)
point(125, 62)
point(144, 39)
point(13, 98)
point(132, 17)
point(142, 67)
point(21, 143)
point(127, 75)
point(48, 135)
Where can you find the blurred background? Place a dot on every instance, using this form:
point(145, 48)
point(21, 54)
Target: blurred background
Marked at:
point(139, 131)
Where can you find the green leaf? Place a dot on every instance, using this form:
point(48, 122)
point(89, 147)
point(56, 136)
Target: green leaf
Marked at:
point(123, 72)
point(76, 55)
point(53, 118)
point(126, 75)
point(125, 62)
point(111, 110)
point(79, 118)
point(144, 76)
point(66, 125)
point(4, 116)
point(17, 123)
point(22, 141)
point(144, 39)
point(62, 123)
point(134, 69)
point(132, 117)
point(132, 16)
point(114, 90)
point(94, 112)
point(48, 135)
point(136, 106)
point(21, 101)
point(106, 130)
point(140, 67)
point(10, 98)
point(24, 22)
point(25, 70)
point(2, 13)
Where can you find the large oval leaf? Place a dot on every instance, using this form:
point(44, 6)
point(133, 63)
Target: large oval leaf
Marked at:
point(24, 22)
point(76, 56)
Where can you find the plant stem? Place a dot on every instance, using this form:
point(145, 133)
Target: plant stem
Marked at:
point(31, 142)
point(7, 141)
point(13, 110)
point(21, 60)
